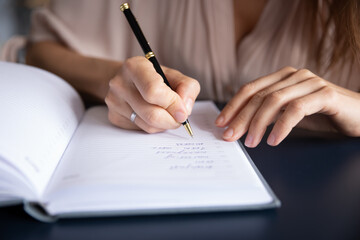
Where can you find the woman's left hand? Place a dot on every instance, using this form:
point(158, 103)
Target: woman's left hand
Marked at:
point(289, 98)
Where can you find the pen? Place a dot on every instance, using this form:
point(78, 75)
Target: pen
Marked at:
point(149, 54)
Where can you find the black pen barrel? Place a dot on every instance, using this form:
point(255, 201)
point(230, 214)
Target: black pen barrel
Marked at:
point(125, 8)
point(159, 70)
point(137, 31)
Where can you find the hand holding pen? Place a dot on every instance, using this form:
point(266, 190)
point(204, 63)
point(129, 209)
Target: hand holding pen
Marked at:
point(138, 97)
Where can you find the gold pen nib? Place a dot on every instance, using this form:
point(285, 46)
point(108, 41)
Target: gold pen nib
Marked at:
point(188, 128)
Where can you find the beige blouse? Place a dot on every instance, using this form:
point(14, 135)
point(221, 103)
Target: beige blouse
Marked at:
point(193, 36)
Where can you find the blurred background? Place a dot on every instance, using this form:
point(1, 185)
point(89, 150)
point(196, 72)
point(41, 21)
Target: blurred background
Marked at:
point(15, 17)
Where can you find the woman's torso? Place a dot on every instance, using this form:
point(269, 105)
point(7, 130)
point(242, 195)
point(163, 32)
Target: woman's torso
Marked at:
point(196, 37)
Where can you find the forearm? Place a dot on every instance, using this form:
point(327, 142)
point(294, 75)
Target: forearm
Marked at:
point(89, 76)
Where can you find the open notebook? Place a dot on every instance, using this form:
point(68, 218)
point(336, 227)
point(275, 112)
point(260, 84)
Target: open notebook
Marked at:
point(61, 160)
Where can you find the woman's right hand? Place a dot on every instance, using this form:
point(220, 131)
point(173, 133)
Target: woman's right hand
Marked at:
point(138, 88)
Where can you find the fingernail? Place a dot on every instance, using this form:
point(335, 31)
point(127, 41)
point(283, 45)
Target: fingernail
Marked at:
point(271, 139)
point(219, 120)
point(189, 104)
point(228, 133)
point(249, 140)
point(180, 117)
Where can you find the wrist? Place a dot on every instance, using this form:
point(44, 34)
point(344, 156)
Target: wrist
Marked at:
point(99, 73)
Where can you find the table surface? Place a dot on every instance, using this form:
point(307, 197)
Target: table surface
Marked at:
point(317, 181)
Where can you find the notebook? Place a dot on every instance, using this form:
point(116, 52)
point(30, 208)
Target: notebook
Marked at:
point(61, 160)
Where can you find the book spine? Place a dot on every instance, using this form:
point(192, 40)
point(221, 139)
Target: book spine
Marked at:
point(37, 211)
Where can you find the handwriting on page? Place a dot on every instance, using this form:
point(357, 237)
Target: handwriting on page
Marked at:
point(190, 155)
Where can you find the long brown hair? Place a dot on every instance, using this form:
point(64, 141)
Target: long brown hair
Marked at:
point(337, 21)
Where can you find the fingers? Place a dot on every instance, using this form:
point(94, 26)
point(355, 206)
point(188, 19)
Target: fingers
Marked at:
point(248, 91)
point(123, 98)
point(153, 89)
point(119, 115)
point(121, 121)
point(259, 109)
point(274, 103)
point(319, 101)
point(240, 123)
point(138, 87)
point(187, 88)
point(153, 115)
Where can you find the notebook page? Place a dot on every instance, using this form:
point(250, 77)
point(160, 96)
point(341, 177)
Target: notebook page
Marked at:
point(39, 114)
point(106, 168)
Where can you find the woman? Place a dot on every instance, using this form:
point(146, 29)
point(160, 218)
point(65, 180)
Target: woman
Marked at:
point(237, 50)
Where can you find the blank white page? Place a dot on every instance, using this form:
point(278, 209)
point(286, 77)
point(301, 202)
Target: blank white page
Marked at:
point(39, 114)
point(110, 169)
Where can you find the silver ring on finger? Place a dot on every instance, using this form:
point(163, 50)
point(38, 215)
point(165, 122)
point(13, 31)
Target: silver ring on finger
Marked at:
point(132, 117)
